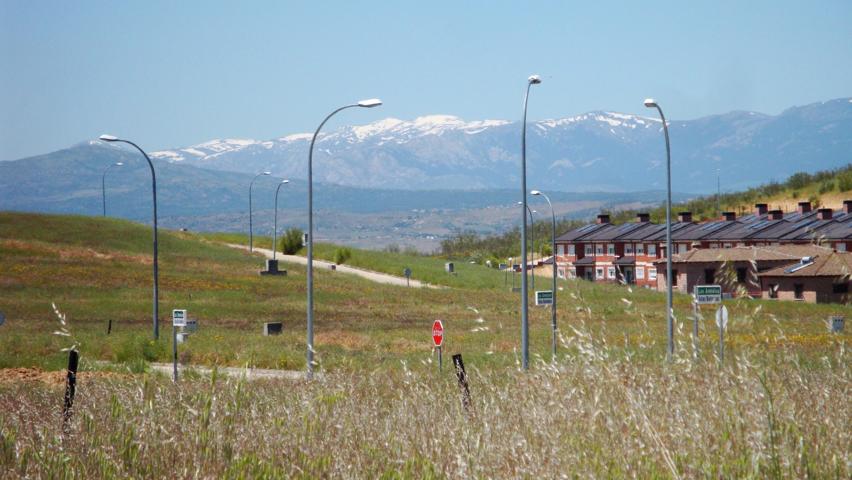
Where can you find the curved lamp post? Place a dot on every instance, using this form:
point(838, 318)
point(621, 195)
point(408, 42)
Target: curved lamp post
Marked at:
point(275, 228)
point(553, 257)
point(651, 103)
point(369, 103)
point(251, 231)
point(525, 327)
point(110, 138)
point(103, 183)
point(532, 242)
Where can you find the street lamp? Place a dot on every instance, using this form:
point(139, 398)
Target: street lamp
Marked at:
point(525, 327)
point(553, 257)
point(275, 228)
point(103, 183)
point(369, 103)
point(651, 103)
point(110, 138)
point(532, 242)
point(251, 232)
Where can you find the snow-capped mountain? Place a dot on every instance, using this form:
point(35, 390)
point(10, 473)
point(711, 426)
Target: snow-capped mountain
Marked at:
point(593, 151)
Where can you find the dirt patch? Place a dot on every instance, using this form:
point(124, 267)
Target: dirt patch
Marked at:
point(66, 252)
point(347, 340)
point(54, 378)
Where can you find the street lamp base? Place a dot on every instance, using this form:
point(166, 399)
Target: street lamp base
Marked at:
point(272, 268)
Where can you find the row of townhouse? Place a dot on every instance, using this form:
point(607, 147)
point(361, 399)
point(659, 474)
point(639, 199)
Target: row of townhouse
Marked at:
point(627, 253)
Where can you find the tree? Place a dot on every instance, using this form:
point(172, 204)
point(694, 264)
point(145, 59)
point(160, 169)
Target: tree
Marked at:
point(341, 255)
point(292, 241)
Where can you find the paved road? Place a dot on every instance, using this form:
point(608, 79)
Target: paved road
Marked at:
point(377, 277)
point(249, 373)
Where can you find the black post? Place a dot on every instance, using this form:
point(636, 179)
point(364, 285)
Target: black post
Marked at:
point(174, 353)
point(462, 376)
point(109, 327)
point(70, 388)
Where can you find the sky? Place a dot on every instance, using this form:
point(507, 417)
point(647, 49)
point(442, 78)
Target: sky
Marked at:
point(171, 74)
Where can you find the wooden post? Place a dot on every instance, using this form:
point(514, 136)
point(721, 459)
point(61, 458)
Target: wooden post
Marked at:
point(70, 388)
point(463, 385)
point(109, 327)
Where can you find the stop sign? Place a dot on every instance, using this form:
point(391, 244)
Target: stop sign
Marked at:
point(438, 333)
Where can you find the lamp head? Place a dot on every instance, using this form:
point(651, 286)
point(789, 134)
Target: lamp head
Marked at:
point(535, 192)
point(284, 182)
point(108, 138)
point(650, 103)
point(267, 173)
point(534, 79)
point(119, 164)
point(370, 103)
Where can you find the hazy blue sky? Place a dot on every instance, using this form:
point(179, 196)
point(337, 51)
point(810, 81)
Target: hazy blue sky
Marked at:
point(176, 73)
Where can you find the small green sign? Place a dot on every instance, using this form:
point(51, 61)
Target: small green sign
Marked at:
point(544, 297)
point(707, 294)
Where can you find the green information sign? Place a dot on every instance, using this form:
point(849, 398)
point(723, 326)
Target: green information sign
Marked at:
point(707, 294)
point(544, 297)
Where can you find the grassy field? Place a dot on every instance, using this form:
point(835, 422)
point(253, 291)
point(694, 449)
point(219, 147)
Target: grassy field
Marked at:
point(608, 407)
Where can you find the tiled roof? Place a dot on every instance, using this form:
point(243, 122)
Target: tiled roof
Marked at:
point(834, 264)
point(740, 254)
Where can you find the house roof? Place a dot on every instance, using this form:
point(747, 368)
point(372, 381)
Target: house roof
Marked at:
point(790, 253)
point(834, 264)
point(585, 261)
point(625, 261)
point(582, 232)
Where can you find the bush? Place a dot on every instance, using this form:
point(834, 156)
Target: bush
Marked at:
point(341, 255)
point(844, 181)
point(292, 241)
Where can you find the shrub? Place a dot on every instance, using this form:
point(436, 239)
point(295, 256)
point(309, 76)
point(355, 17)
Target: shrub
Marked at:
point(341, 255)
point(292, 241)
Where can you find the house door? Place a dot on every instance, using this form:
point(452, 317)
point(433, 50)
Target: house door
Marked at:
point(589, 274)
point(628, 275)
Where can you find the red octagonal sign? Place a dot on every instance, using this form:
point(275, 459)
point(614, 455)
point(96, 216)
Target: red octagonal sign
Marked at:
point(438, 333)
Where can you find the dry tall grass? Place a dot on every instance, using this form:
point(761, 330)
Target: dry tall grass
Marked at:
point(597, 413)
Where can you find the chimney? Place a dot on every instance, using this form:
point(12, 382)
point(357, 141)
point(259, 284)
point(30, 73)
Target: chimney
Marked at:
point(760, 208)
point(684, 217)
point(847, 206)
point(804, 207)
point(646, 217)
point(603, 218)
point(729, 216)
point(775, 214)
point(824, 213)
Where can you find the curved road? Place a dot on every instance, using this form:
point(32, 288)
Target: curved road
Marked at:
point(371, 275)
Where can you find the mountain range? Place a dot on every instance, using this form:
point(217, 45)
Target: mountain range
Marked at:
point(596, 151)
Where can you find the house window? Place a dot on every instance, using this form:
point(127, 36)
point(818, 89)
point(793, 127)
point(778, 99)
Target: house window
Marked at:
point(610, 249)
point(652, 273)
point(742, 275)
point(674, 278)
point(681, 248)
point(741, 244)
point(640, 249)
point(840, 246)
point(572, 250)
point(560, 249)
point(590, 249)
point(842, 287)
point(640, 273)
point(799, 291)
point(628, 249)
point(709, 276)
point(652, 250)
point(599, 273)
point(727, 245)
point(714, 245)
point(572, 272)
point(610, 271)
point(773, 290)
point(599, 249)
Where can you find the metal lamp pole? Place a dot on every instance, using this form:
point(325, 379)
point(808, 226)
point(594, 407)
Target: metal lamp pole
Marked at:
point(251, 233)
point(110, 138)
point(370, 103)
point(103, 183)
point(525, 327)
point(532, 241)
point(275, 228)
point(651, 103)
point(553, 257)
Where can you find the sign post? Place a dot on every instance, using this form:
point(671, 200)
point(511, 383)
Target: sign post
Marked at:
point(438, 340)
point(722, 323)
point(178, 320)
point(702, 295)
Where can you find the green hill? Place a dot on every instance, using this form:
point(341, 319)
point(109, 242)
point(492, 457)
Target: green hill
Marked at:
point(96, 270)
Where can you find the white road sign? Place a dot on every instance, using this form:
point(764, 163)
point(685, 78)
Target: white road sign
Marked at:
point(722, 317)
point(179, 318)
